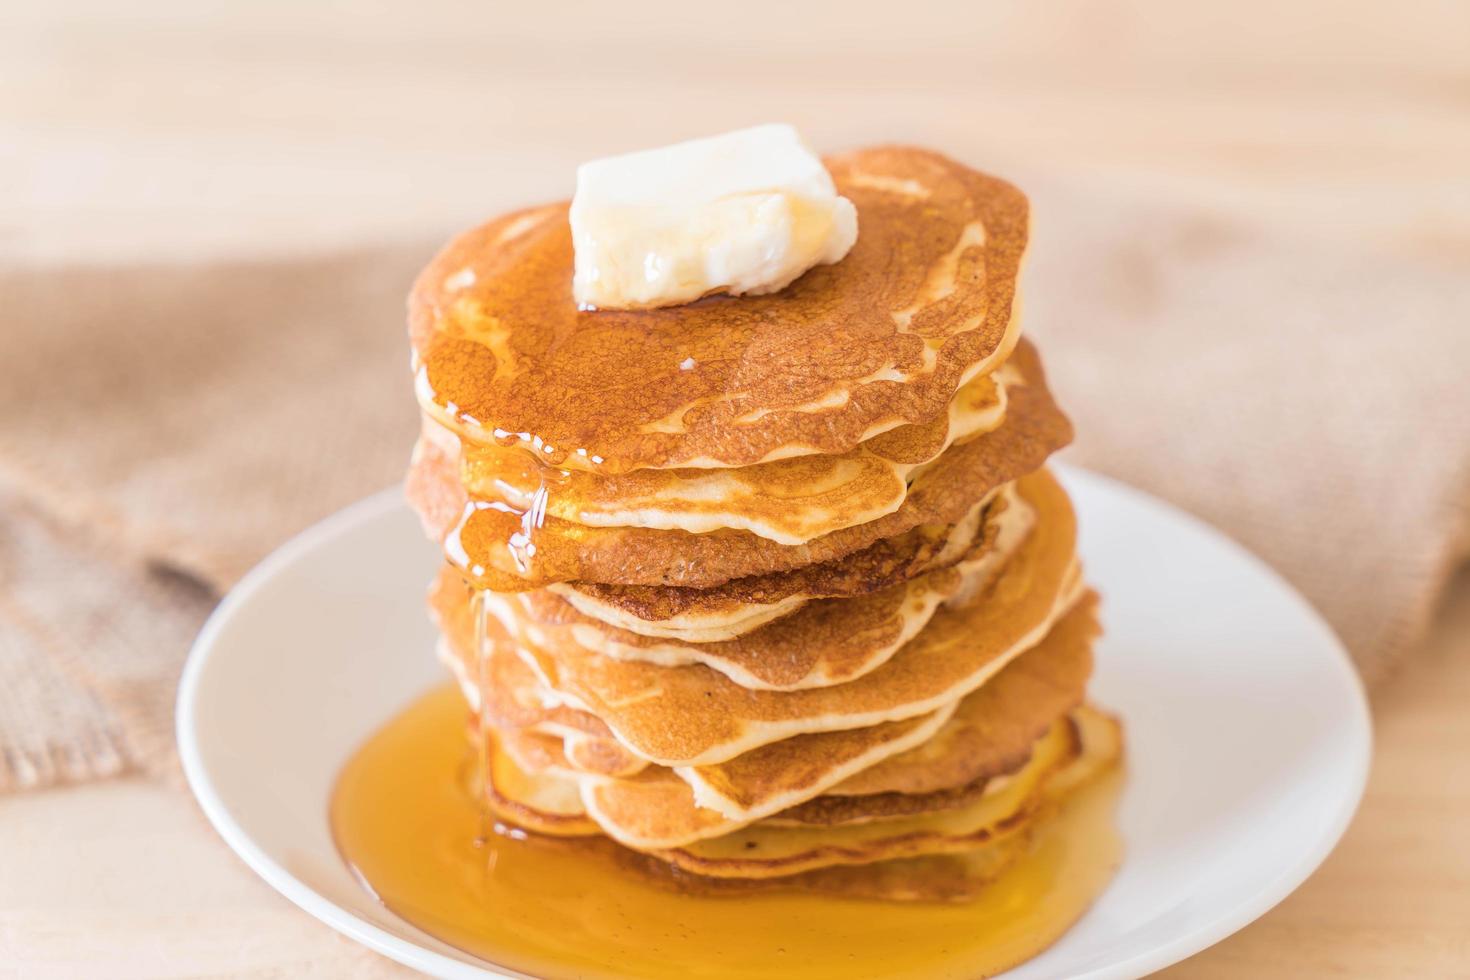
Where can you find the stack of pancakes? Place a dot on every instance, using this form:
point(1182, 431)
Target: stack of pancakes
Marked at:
point(773, 591)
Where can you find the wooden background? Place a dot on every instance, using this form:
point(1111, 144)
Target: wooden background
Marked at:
point(175, 126)
point(168, 130)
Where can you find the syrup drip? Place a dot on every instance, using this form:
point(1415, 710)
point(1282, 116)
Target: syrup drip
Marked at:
point(526, 509)
point(404, 817)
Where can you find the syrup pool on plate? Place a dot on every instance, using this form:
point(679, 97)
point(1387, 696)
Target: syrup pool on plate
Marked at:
point(406, 820)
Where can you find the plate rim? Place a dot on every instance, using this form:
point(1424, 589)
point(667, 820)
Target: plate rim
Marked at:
point(201, 785)
point(1273, 892)
point(410, 954)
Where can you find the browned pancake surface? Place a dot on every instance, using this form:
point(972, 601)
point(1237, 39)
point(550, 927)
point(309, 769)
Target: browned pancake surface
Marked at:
point(789, 500)
point(992, 730)
point(990, 733)
point(881, 338)
point(1067, 756)
point(932, 878)
point(490, 538)
point(695, 715)
point(881, 565)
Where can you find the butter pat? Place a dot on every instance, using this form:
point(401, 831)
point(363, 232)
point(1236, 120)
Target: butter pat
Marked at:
point(746, 212)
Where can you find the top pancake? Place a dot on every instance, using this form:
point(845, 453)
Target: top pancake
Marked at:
point(885, 337)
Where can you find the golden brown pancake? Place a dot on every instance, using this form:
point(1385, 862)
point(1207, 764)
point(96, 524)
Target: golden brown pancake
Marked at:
point(545, 804)
point(1072, 751)
point(533, 752)
point(789, 501)
point(831, 811)
point(992, 730)
point(504, 690)
point(1068, 755)
point(600, 754)
point(512, 697)
point(509, 696)
point(780, 785)
point(500, 548)
point(657, 808)
point(505, 693)
point(882, 338)
point(955, 877)
point(744, 604)
point(989, 733)
point(826, 642)
point(694, 715)
point(762, 781)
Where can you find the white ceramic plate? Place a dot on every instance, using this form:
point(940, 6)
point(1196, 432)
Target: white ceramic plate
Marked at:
point(1247, 727)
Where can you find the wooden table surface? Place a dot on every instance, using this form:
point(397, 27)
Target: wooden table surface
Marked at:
point(163, 129)
point(170, 127)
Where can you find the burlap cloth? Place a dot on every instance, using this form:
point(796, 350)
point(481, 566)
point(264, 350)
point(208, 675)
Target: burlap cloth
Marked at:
point(162, 428)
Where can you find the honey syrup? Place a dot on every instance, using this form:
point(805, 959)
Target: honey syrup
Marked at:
point(406, 821)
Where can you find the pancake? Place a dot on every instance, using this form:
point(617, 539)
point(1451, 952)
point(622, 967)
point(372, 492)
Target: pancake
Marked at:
point(956, 877)
point(993, 728)
point(503, 690)
point(545, 803)
point(830, 811)
point(658, 808)
point(825, 642)
point(505, 693)
point(596, 753)
point(885, 337)
point(534, 753)
point(569, 743)
point(1071, 751)
point(551, 750)
point(789, 501)
point(508, 695)
point(501, 548)
point(988, 733)
point(695, 716)
point(651, 811)
point(741, 605)
point(1067, 756)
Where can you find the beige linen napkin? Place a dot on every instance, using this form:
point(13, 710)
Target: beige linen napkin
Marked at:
point(163, 428)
